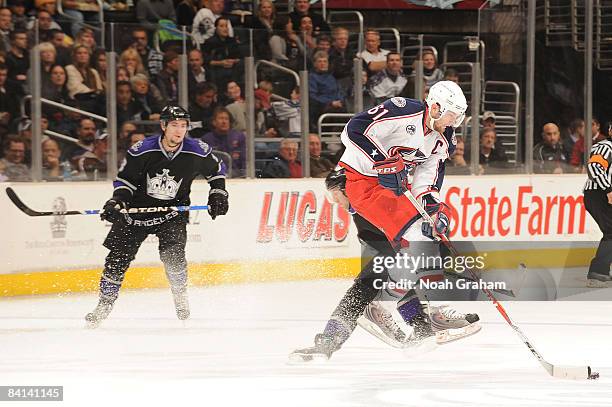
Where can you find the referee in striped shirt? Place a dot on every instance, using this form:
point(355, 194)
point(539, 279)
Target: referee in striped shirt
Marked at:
point(598, 202)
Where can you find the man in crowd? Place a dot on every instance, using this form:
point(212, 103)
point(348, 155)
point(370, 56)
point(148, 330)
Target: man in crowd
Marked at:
point(224, 138)
point(319, 166)
point(374, 57)
point(549, 155)
point(12, 166)
point(390, 81)
point(285, 164)
point(202, 107)
point(151, 58)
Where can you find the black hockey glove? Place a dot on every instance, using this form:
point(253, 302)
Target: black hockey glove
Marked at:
point(112, 210)
point(217, 202)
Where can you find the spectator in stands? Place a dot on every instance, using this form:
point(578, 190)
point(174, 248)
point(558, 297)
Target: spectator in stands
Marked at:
point(5, 28)
point(431, 72)
point(9, 102)
point(302, 8)
point(18, 60)
point(263, 122)
point(127, 107)
point(149, 12)
point(91, 165)
point(86, 37)
point(149, 56)
point(147, 96)
point(46, 25)
point(19, 17)
point(305, 37)
point(389, 82)
point(84, 83)
point(491, 155)
point(577, 154)
point(135, 137)
point(99, 64)
point(52, 166)
point(196, 73)
point(204, 22)
point(167, 80)
point(186, 11)
point(63, 52)
point(263, 25)
point(224, 138)
point(549, 155)
point(576, 131)
point(122, 74)
point(456, 165)
point(341, 59)
point(319, 166)
point(12, 166)
point(285, 164)
point(222, 54)
point(85, 134)
point(123, 139)
point(451, 75)
point(323, 43)
point(48, 5)
point(201, 109)
point(325, 93)
point(288, 50)
point(488, 119)
point(130, 59)
point(287, 115)
point(47, 60)
point(57, 91)
point(374, 57)
point(236, 106)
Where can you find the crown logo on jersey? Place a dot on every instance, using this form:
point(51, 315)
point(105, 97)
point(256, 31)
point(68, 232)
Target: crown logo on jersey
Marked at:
point(163, 186)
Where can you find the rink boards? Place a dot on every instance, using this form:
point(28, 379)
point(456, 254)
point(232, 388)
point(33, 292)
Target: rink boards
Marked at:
point(281, 230)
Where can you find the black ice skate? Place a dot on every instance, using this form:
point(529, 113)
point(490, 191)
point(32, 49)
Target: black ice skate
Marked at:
point(99, 314)
point(596, 280)
point(324, 346)
point(181, 303)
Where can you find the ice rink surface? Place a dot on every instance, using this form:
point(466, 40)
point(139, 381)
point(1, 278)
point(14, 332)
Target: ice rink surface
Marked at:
point(233, 352)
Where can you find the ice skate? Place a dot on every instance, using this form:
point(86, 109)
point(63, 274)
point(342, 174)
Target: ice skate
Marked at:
point(596, 280)
point(379, 322)
point(325, 345)
point(422, 338)
point(99, 314)
point(450, 324)
point(181, 303)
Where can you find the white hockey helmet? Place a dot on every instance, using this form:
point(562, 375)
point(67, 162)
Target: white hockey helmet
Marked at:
point(449, 96)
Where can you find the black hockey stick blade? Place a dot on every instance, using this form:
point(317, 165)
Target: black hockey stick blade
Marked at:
point(22, 206)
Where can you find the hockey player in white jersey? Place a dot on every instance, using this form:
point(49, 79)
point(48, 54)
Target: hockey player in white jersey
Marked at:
point(381, 144)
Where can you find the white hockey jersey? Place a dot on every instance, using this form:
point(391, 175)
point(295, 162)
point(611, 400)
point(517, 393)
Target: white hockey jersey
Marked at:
point(397, 127)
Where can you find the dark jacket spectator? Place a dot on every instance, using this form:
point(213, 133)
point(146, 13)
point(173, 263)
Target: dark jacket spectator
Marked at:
point(263, 25)
point(285, 164)
point(222, 55)
point(151, 58)
point(302, 8)
point(576, 131)
point(9, 102)
point(186, 11)
point(204, 22)
point(340, 57)
point(57, 91)
point(549, 155)
point(147, 95)
point(203, 105)
point(18, 60)
point(196, 73)
point(490, 154)
point(326, 96)
point(226, 139)
point(167, 80)
point(319, 166)
point(128, 109)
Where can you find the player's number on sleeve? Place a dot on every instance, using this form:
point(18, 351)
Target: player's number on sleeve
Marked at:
point(376, 110)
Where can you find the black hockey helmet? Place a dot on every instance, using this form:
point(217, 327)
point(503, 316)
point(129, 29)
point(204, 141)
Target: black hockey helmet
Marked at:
point(173, 112)
point(336, 180)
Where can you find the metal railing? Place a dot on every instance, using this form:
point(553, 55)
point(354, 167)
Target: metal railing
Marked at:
point(389, 38)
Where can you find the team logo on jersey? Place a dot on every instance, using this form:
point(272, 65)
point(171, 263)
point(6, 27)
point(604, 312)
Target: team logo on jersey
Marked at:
point(204, 146)
point(399, 102)
point(137, 146)
point(409, 154)
point(411, 129)
point(163, 186)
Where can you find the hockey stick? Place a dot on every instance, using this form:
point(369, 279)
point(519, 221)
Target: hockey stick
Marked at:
point(31, 212)
point(564, 372)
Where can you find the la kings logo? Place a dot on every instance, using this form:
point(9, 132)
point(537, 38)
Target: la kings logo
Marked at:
point(163, 186)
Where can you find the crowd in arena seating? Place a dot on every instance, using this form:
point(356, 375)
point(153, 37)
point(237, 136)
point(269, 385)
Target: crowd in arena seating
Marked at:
point(74, 73)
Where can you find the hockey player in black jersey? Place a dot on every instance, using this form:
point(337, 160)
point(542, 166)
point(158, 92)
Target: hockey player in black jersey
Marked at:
point(158, 171)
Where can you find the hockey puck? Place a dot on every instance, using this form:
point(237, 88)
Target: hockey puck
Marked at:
point(594, 376)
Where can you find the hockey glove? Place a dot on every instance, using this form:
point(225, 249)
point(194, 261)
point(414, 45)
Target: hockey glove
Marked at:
point(440, 213)
point(112, 210)
point(217, 202)
point(393, 174)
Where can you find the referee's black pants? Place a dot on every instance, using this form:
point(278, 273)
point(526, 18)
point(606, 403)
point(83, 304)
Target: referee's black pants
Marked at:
point(596, 203)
